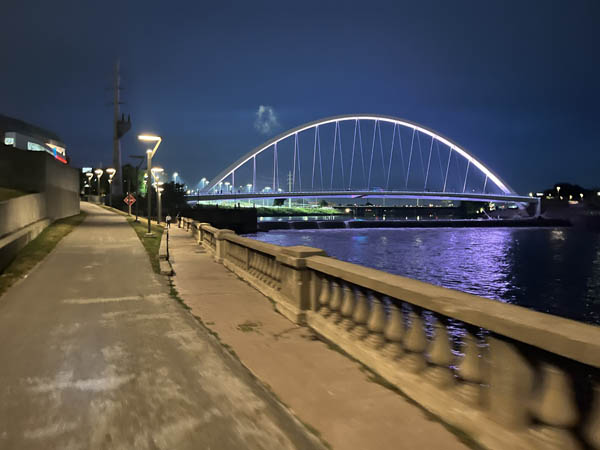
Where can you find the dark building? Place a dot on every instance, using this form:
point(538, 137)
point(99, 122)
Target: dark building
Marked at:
point(22, 135)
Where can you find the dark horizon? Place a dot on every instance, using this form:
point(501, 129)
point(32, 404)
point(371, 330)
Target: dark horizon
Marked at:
point(513, 82)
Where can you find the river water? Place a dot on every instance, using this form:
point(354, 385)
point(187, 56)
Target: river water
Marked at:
point(550, 270)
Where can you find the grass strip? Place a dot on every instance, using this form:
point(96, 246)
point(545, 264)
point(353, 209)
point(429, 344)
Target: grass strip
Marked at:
point(151, 244)
point(36, 250)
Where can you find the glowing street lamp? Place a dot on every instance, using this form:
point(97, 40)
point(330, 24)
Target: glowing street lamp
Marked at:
point(156, 171)
point(111, 173)
point(175, 175)
point(98, 173)
point(149, 154)
point(89, 176)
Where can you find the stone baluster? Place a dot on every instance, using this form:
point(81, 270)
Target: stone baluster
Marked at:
point(277, 273)
point(591, 429)
point(360, 315)
point(470, 371)
point(262, 267)
point(336, 301)
point(415, 342)
point(252, 262)
point(347, 308)
point(394, 332)
point(324, 297)
point(270, 271)
point(554, 406)
point(376, 323)
point(440, 356)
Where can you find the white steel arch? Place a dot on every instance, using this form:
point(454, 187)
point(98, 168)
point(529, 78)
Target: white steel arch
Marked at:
point(503, 186)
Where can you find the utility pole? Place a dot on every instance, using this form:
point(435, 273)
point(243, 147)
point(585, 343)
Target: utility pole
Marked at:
point(120, 127)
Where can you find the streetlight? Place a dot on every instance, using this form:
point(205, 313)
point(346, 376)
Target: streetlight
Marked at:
point(249, 186)
point(156, 171)
point(98, 173)
point(175, 175)
point(89, 176)
point(150, 153)
point(111, 173)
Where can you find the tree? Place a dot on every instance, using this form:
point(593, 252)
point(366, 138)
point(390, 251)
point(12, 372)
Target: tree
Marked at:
point(279, 202)
point(323, 203)
point(173, 198)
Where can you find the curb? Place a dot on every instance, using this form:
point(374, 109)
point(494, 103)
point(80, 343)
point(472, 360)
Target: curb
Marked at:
point(163, 257)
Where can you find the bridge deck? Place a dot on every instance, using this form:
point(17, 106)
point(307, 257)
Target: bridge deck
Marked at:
point(369, 194)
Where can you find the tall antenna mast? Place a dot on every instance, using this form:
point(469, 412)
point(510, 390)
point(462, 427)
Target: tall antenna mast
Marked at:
point(120, 128)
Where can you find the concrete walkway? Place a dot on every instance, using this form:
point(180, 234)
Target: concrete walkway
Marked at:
point(325, 389)
point(94, 354)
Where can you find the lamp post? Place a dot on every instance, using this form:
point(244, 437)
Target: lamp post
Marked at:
point(175, 175)
point(111, 173)
point(150, 153)
point(98, 173)
point(156, 171)
point(89, 176)
point(137, 177)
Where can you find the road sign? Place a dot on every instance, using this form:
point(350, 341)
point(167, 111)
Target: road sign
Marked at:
point(129, 200)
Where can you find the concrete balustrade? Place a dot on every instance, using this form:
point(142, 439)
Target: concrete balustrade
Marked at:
point(508, 376)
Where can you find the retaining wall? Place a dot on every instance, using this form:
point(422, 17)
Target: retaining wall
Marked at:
point(39, 172)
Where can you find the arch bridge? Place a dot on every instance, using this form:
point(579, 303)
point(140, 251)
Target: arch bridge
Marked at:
point(360, 156)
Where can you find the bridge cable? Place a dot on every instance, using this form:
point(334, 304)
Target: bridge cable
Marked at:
point(381, 148)
point(387, 183)
point(466, 175)
point(294, 164)
point(428, 164)
point(352, 159)
point(362, 159)
point(334, 147)
point(299, 169)
point(320, 160)
point(447, 169)
point(314, 160)
point(401, 150)
point(437, 147)
point(274, 164)
point(341, 157)
point(421, 154)
point(254, 173)
point(412, 141)
point(372, 152)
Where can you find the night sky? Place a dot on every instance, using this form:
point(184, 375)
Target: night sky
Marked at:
point(515, 82)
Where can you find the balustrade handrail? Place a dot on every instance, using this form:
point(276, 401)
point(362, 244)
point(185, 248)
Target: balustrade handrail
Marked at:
point(263, 247)
point(569, 338)
point(530, 373)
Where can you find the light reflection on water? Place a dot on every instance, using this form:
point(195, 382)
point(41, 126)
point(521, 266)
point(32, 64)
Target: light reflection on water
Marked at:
point(549, 270)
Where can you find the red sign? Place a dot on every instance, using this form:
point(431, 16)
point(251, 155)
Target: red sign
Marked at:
point(129, 200)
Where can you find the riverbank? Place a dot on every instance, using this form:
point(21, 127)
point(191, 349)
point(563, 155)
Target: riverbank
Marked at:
point(459, 223)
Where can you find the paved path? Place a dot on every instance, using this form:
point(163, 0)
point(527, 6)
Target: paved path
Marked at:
point(324, 388)
point(94, 354)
